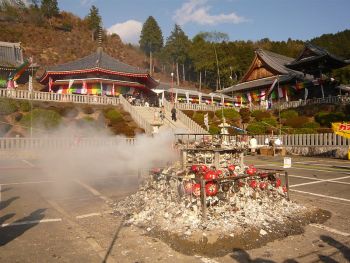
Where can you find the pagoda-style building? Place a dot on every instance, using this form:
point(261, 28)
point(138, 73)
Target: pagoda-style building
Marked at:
point(98, 74)
point(11, 57)
point(300, 78)
point(266, 67)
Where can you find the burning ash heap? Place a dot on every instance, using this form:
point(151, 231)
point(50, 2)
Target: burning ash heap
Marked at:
point(233, 196)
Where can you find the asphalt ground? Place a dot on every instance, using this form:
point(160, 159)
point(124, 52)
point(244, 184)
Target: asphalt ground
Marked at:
point(68, 219)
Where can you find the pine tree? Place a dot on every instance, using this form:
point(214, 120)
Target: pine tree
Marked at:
point(93, 20)
point(49, 8)
point(177, 47)
point(151, 39)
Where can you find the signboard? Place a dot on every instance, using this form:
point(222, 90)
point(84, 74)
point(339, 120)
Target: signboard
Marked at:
point(287, 163)
point(341, 129)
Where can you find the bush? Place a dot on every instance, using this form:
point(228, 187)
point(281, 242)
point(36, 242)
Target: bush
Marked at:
point(88, 119)
point(69, 112)
point(17, 116)
point(297, 122)
point(311, 125)
point(24, 106)
point(325, 118)
point(270, 122)
point(88, 110)
point(261, 114)
point(48, 119)
point(113, 116)
point(289, 114)
point(214, 129)
point(245, 115)
point(198, 117)
point(229, 114)
point(7, 106)
point(257, 128)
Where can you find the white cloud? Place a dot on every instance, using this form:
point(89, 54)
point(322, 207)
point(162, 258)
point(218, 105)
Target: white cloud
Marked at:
point(129, 31)
point(198, 12)
point(86, 2)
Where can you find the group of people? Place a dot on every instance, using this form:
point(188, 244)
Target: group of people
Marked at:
point(161, 114)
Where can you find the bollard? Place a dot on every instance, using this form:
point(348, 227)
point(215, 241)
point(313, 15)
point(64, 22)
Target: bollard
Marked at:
point(203, 200)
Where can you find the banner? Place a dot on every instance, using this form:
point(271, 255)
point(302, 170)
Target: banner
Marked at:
point(341, 129)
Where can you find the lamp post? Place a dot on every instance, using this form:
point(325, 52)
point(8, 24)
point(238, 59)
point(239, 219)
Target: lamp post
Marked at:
point(172, 87)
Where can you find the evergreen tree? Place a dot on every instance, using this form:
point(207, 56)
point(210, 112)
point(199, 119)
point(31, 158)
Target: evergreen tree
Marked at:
point(49, 8)
point(151, 39)
point(177, 47)
point(93, 18)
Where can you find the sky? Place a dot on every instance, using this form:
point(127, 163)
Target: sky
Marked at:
point(240, 19)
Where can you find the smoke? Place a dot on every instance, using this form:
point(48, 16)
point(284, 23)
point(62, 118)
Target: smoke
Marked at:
point(106, 156)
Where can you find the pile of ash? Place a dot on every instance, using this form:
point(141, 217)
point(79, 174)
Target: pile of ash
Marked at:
point(236, 198)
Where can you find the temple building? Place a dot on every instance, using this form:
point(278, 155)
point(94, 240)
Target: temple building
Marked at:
point(11, 59)
point(98, 74)
point(273, 77)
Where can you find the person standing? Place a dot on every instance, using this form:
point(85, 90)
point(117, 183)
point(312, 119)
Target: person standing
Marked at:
point(253, 144)
point(173, 114)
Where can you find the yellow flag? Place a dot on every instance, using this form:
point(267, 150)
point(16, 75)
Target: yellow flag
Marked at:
point(342, 129)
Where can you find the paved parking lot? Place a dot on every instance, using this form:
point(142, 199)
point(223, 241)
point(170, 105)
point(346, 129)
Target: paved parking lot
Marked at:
point(49, 219)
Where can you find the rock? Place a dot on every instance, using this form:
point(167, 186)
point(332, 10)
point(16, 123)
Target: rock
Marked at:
point(263, 232)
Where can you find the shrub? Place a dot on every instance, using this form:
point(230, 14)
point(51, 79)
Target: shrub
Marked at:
point(289, 114)
point(24, 106)
point(214, 129)
point(245, 115)
point(88, 119)
point(69, 112)
point(48, 119)
point(297, 122)
point(304, 130)
point(7, 106)
point(257, 128)
point(17, 116)
point(113, 116)
point(88, 110)
point(325, 118)
point(270, 122)
point(198, 117)
point(229, 114)
point(261, 114)
point(311, 125)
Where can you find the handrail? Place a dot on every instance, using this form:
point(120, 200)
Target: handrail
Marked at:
point(192, 125)
point(55, 97)
point(144, 124)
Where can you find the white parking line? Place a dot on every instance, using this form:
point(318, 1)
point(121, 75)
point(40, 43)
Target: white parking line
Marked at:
point(29, 163)
point(319, 195)
point(93, 191)
point(88, 215)
point(332, 230)
point(35, 182)
point(32, 222)
point(298, 168)
point(322, 181)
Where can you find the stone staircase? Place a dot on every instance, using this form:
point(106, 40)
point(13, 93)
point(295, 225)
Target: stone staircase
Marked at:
point(148, 113)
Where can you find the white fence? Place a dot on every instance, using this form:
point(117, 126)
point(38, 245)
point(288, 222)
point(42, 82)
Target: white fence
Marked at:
point(191, 125)
point(199, 107)
point(136, 116)
point(294, 104)
point(55, 97)
point(318, 139)
point(60, 143)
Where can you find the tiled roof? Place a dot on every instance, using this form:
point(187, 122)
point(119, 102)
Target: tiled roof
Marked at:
point(98, 59)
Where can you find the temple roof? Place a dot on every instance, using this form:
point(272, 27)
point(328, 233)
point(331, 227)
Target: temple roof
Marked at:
point(99, 59)
point(313, 57)
point(264, 69)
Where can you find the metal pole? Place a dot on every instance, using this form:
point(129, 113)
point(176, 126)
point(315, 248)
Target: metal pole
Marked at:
point(203, 200)
point(287, 184)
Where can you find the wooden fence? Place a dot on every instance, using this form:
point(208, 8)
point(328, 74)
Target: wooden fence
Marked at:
point(318, 139)
point(55, 97)
point(61, 143)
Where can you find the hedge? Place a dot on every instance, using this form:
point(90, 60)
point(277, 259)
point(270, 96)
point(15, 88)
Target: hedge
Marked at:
point(42, 118)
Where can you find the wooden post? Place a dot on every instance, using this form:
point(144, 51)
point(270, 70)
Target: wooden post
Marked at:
point(287, 184)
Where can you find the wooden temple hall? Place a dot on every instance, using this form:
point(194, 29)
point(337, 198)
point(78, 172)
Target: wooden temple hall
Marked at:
point(98, 74)
point(272, 77)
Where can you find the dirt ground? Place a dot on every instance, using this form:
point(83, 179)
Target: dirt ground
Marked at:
point(44, 219)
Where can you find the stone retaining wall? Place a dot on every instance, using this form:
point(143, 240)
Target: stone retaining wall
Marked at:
point(340, 152)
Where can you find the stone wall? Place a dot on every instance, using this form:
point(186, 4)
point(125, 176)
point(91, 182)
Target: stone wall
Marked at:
point(340, 152)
